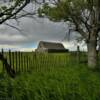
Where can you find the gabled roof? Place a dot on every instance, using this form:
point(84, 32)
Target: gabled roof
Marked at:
point(51, 45)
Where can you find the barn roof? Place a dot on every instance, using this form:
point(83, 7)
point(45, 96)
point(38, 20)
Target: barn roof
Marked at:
point(52, 45)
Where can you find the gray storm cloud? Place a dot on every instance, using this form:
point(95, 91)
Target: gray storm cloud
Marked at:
point(33, 31)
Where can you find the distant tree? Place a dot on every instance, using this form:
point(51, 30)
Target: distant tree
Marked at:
point(83, 16)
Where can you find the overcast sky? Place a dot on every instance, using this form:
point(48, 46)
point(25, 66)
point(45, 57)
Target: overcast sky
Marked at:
point(33, 31)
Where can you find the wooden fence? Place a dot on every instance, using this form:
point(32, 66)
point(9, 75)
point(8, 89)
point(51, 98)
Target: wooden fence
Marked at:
point(17, 60)
point(27, 61)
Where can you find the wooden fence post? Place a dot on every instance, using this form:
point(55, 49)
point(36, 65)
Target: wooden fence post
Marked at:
point(16, 60)
point(78, 54)
point(13, 57)
point(10, 58)
point(27, 62)
point(3, 62)
point(19, 60)
point(22, 62)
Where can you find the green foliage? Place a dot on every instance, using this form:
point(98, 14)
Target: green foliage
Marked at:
point(64, 10)
point(4, 8)
point(56, 13)
point(11, 8)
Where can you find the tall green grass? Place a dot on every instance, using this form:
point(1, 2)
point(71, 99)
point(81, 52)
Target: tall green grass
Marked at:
point(63, 83)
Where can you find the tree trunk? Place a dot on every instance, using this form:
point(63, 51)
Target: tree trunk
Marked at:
point(92, 53)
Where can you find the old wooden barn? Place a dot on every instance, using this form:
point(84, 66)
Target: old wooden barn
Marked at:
point(44, 46)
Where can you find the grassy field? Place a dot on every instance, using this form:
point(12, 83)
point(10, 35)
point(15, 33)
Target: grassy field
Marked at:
point(64, 81)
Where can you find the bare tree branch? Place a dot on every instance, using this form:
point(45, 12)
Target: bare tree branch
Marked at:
point(12, 26)
point(8, 16)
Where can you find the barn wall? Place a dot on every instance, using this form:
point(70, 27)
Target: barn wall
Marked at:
point(57, 50)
